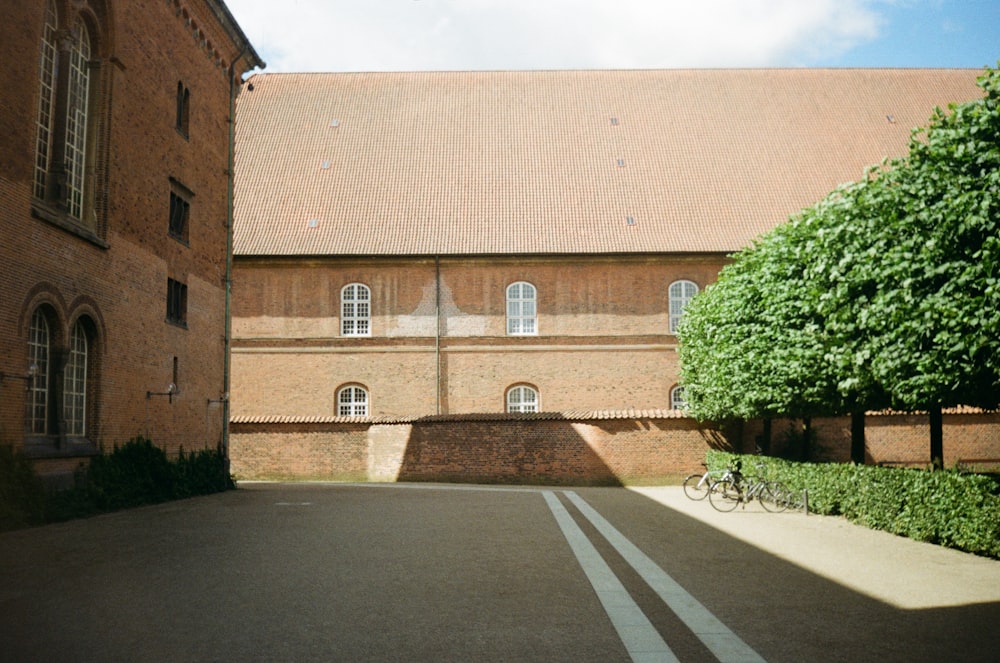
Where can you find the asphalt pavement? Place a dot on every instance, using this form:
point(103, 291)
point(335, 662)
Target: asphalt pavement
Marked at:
point(431, 572)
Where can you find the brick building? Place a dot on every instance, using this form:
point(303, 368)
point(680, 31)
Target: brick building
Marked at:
point(114, 210)
point(484, 242)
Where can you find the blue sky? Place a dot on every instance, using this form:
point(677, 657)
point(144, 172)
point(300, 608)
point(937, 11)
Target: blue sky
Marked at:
point(956, 33)
point(420, 35)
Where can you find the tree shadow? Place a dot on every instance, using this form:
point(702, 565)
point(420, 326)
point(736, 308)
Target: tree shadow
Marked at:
point(784, 611)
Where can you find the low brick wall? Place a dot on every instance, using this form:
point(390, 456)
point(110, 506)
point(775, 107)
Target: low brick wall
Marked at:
point(299, 451)
point(558, 450)
point(475, 450)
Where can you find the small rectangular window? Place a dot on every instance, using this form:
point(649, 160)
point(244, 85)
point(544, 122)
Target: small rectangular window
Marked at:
point(180, 211)
point(183, 109)
point(176, 302)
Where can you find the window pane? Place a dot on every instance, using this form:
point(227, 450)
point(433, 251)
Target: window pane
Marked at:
point(75, 386)
point(76, 126)
point(352, 402)
point(38, 355)
point(46, 75)
point(680, 293)
point(521, 310)
point(522, 399)
point(355, 310)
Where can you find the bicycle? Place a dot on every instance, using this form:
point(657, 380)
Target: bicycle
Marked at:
point(697, 486)
point(735, 488)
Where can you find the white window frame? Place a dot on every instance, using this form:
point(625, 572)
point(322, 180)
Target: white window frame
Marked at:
point(355, 310)
point(39, 350)
point(46, 101)
point(677, 401)
point(75, 383)
point(77, 120)
point(680, 294)
point(523, 398)
point(352, 401)
point(522, 309)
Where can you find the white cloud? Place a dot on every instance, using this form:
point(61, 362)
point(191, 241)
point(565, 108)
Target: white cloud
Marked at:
point(407, 35)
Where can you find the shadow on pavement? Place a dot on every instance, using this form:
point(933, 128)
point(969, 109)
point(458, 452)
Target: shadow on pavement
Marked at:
point(424, 572)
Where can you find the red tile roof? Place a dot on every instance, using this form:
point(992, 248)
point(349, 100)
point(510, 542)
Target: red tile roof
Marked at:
point(559, 161)
point(571, 415)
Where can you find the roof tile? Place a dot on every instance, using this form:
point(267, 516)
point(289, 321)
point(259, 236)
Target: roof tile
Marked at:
point(527, 162)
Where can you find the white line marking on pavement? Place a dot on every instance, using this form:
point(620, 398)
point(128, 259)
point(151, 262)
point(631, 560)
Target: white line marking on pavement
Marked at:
point(722, 642)
point(640, 638)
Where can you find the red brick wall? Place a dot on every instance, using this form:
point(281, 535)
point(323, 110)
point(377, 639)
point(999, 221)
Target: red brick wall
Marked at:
point(145, 48)
point(466, 450)
point(299, 451)
point(602, 342)
point(561, 451)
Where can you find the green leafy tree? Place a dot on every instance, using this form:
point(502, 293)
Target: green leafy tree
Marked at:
point(883, 293)
point(934, 325)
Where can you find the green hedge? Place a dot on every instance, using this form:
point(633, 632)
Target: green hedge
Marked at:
point(22, 496)
point(950, 508)
point(134, 474)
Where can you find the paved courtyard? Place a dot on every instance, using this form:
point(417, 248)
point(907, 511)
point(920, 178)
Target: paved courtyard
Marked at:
point(429, 572)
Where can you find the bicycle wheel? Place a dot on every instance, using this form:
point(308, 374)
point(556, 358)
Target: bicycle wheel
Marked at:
point(724, 495)
point(773, 497)
point(696, 487)
point(795, 500)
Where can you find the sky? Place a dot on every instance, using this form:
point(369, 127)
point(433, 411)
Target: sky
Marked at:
point(462, 35)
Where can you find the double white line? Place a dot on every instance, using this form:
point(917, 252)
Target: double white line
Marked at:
point(641, 639)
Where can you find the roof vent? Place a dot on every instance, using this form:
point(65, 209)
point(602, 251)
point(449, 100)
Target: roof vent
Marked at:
point(614, 121)
point(630, 220)
point(313, 223)
point(325, 164)
point(621, 163)
point(334, 122)
point(891, 119)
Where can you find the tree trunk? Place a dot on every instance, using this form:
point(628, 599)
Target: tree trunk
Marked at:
point(858, 437)
point(937, 436)
point(806, 451)
point(764, 441)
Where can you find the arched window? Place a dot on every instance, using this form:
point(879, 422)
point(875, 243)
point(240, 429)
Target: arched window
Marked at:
point(681, 292)
point(39, 351)
point(521, 309)
point(352, 401)
point(75, 382)
point(46, 101)
point(65, 120)
point(76, 119)
point(355, 310)
point(677, 401)
point(522, 398)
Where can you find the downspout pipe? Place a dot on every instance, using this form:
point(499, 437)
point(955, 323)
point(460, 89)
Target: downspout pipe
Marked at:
point(230, 185)
point(437, 334)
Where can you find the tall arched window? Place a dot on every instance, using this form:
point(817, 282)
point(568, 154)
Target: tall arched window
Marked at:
point(521, 309)
point(355, 310)
point(522, 398)
point(46, 101)
point(65, 130)
point(352, 401)
point(39, 350)
point(75, 382)
point(76, 119)
point(681, 292)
